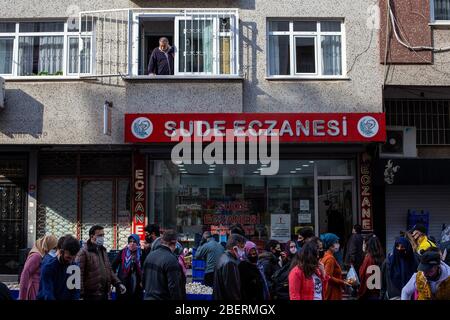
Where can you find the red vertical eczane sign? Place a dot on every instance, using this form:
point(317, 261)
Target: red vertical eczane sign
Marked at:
point(139, 194)
point(366, 193)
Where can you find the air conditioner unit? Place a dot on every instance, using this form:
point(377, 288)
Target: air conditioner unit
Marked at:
point(2, 93)
point(400, 143)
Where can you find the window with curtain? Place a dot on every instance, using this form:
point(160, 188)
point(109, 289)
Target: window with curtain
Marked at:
point(305, 48)
point(41, 55)
point(83, 55)
point(44, 49)
point(6, 55)
point(441, 10)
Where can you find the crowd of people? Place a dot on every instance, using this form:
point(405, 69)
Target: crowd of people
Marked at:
point(308, 268)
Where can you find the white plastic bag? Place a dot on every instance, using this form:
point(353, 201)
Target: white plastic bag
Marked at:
point(352, 276)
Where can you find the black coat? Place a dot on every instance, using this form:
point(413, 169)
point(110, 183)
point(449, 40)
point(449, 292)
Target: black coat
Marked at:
point(355, 255)
point(252, 284)
point(270, 265)
point(163, 278)
point(161, 63)
point(227, 280)
point(280, 283)
point(132, 293)
point(5, 294)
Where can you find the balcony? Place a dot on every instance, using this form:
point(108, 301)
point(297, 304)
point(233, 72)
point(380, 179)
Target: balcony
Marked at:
point(204, 43)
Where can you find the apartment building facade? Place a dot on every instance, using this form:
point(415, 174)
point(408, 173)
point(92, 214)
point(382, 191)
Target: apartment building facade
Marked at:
point(77, 83)
point(411, 176)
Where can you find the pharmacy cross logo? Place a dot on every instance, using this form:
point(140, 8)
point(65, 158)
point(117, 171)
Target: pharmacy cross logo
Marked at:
point(142, 128)
point(368, 127)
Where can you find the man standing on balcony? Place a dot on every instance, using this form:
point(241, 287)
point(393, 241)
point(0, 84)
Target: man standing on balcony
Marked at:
point(161, 60)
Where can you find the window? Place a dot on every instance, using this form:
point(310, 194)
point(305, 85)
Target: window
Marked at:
point(306, 48)
point(45, 49)
point(6, 55)
point(440, 10)
point(7, 30)
point(430, 117)
point(205, 42)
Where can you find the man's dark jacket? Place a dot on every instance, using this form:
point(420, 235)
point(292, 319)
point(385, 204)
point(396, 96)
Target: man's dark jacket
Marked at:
point(227, 281)
point(161, 63)
point(162, 276)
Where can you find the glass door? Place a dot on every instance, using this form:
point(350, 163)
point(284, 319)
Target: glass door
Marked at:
point(336, 207)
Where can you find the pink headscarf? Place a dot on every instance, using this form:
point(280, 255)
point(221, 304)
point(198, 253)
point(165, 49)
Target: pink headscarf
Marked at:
point(249, 246)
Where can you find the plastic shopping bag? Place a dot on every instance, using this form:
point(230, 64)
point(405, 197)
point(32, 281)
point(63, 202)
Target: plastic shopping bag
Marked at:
point(352, 277)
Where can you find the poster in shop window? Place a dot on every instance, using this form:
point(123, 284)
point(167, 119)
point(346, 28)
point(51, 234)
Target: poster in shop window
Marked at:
point(280, 227)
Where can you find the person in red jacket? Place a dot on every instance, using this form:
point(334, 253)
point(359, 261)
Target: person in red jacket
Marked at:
point(374, 257)
point(308, 279)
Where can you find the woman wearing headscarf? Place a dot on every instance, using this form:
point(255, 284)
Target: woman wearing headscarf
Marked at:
point(280, 279)
point(397, 269)
point(29, 279)
point(335, 284)
point(253, 281)
point(374, 257)
point(128, 267)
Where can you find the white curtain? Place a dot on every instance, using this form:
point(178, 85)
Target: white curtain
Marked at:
point(85, 59)
point(6, 53)
point(441, 9)
point(331, 55)
point(279, 56)
point(207, 47)
point(73, 55)
point(26, 56)
point(51, 51)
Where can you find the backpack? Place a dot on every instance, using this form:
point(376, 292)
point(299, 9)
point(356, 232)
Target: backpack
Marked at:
point(280, 283)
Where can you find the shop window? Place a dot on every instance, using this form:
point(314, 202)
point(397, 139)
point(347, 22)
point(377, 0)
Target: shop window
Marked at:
point(440, 10)
point(306, 48)
point(193, 198)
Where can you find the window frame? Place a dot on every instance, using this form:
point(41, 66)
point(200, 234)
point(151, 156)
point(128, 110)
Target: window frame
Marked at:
point(433, 16)
point(233, 34)
point(65, 34)
point(318, 48)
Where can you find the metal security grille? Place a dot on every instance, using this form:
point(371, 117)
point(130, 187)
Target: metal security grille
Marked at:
point(110, 50)
point(77, 190)
point(430, 117)
point(57, 209)
point(12, 212)
point(97, 208)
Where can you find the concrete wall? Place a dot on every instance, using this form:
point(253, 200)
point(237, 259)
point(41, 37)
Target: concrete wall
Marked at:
point(71, 112)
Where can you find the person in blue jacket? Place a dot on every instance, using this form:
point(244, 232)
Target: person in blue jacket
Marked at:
point(53, 282)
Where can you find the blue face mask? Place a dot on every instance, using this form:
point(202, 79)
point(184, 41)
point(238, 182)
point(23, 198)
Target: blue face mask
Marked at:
point(52, 253)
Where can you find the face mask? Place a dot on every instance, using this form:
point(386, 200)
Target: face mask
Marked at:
point(100, 241)
point(336, 247)
point(277, 253)
point(132, 246)
point(149, 239)
point(52, 253)
point(253, 259)
point(240, 252)
point(293, 250)
point(401, 252)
